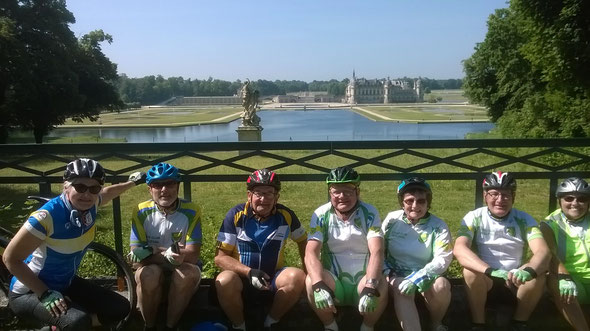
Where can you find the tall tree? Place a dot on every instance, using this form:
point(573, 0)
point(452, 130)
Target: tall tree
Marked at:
point(532, 70)
point(53, 75)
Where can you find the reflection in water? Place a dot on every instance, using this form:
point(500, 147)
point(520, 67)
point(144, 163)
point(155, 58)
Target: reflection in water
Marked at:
point(291, 125)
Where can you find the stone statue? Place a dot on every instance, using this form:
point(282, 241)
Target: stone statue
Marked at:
point(250, 103)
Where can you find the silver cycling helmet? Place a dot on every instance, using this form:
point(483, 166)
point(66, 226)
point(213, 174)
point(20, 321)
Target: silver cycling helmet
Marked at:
point(573, 185)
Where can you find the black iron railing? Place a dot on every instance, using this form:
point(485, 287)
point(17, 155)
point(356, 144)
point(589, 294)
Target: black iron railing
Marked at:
point(549, 159)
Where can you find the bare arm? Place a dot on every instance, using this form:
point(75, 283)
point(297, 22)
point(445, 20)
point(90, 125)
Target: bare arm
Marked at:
point(226, 262)
point(555, 265)
point(19, 248)
point(541, 255)
point(312, 260)
point(466, 257)
point(301, 247)
point(375, 265)
point(112, 191)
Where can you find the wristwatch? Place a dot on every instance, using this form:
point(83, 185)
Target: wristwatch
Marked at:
point(373, 281)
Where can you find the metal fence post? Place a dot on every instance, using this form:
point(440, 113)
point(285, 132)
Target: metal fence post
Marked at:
point(479, 191)
point(186, 185)
point(45, 189)
point(117, 229)
point(552, 189)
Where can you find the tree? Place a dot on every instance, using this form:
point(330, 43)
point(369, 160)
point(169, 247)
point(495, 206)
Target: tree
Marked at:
point(52, 75)
point(532, 70)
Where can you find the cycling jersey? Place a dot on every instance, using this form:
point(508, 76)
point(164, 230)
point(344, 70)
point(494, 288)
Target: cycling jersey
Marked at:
point(573, 241)
point(408, 248)
point(501, 243)
point(345, 250)
point(154, 227)
point(65, 234)
point(259, 244)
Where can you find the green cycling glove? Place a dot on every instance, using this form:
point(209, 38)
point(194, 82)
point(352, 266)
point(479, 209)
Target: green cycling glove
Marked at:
point(323, 296)
point(50, 299)
point(567, 286)
point(525, 274)
point(138, 254)
point(368, 301)
point(407, 287)
point(497, 273)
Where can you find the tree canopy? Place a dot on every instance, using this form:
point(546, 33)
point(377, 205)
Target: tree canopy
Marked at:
point(48, 75)
point(532, 70)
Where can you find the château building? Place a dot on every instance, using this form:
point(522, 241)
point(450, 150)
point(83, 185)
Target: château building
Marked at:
point(383, 91)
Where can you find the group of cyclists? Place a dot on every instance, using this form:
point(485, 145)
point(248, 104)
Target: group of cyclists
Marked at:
point(351, 257)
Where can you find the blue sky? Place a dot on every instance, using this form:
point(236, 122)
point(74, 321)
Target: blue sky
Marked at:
point(288, 40)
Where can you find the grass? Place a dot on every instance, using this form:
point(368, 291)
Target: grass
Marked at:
point(163, 116)
point(424, 113)
point(452, 198)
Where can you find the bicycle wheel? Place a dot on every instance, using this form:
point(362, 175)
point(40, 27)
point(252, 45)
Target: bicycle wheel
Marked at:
point(105, 267)
point(7, 317)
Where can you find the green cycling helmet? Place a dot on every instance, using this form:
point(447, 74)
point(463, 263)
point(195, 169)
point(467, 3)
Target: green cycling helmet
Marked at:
point(343, 175)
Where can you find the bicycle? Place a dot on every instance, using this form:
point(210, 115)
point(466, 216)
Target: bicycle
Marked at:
point(101, 265)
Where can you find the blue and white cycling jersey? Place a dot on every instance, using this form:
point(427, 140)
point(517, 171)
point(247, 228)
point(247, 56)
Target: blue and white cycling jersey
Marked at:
point(65, 235)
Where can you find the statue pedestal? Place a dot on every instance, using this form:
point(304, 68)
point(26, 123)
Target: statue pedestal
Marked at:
point(249, 133)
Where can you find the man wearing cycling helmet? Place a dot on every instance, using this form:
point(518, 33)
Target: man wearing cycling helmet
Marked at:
point(566, 233)
point(165, 245)
point(46, 252)
point(250, 252)
point(492, 244)
point(344, 254)
point(417, 252)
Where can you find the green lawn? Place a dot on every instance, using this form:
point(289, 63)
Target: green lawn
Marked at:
point(423, 112)
point(168, 116)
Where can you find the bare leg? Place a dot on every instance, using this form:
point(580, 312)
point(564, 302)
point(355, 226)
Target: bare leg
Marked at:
point(184, 283)
point(229, 293)
point(572, 312)
point(438, 298)
point(289, 283)
point(325, 315)
point(528, 296)
point(370, 319)
point(477, 287)
point(149, 281)
point(405, 307)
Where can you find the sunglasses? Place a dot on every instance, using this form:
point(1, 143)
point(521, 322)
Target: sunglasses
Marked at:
point(159, 185)
point(81, 188)
point(411, 201)
point(571, 198)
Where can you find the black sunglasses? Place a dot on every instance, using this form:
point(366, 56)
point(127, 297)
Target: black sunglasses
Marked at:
point(571, 198)
point(81, 188)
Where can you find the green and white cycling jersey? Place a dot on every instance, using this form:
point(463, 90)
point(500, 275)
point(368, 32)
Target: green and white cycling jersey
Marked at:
point(345, 250)
point(501, 243)
point(573, 241)
point(424, 246)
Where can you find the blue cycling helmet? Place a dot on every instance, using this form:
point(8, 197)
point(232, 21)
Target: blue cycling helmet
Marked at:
point(162, 171)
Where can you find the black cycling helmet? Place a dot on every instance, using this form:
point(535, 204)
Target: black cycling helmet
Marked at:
point(84, 168)
point(573, 185)
point(343, 175)
point(413, 182)
point(499, 180)
point(162, 170)
point(263, 177)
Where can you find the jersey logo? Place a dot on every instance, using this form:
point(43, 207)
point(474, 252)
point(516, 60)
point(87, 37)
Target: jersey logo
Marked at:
point(511, 231)
point(423, 237)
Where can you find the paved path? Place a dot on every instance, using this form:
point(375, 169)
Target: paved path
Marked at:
point(226, 117)
point(374, 114)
